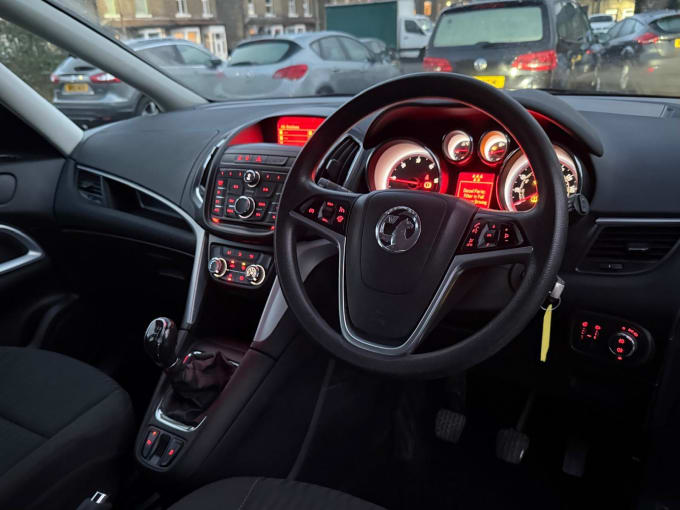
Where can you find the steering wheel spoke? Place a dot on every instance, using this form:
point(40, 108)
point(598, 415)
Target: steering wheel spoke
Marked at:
point(325, 211)
point(495, 238)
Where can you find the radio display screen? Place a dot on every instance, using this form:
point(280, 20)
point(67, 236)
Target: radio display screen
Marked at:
point(296, 130)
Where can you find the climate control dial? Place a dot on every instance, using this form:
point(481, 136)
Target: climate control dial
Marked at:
point(217, 266)
point(255, 274)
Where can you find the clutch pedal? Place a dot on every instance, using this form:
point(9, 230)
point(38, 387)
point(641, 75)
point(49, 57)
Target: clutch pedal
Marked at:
point(449, 425)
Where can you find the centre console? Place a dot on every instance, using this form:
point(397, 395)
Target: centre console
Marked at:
point(244, 187)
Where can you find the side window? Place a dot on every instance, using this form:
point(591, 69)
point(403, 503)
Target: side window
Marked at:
point(638, 27)
point(412, 27)
point(357, 52)
point(316, 47)
point(161, 56)
point(627, 28)
point(193, 56)
point(613, 32)
point(331, 49)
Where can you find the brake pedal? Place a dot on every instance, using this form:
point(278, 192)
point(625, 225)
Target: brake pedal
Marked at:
point(449, 425)
point(511, 445)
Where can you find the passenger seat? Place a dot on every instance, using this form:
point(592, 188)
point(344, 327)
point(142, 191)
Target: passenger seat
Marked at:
point(64, 427)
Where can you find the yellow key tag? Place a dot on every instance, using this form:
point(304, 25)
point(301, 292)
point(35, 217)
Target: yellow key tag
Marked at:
point(545, 337)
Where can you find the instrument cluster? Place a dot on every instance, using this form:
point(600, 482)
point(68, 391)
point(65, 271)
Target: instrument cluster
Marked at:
point(489, 169)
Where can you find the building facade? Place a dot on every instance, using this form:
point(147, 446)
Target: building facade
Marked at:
point(274, 17)
point(193, 20)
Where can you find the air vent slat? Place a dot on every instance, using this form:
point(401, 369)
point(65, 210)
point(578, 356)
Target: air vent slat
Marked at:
point(630, 249)
point(339, 161)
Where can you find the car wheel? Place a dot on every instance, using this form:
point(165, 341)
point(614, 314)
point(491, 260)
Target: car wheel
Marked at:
point(147, 107)
point(325, 91)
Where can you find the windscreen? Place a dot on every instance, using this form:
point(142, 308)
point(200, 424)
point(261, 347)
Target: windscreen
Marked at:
point(227, 50)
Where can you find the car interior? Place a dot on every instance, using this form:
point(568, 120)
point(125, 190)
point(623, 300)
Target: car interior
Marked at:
point(433, 294)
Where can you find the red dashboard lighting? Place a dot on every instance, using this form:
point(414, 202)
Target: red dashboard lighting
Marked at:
point(476, 187)
point(296, 130)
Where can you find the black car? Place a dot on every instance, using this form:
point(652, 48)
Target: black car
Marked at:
point(643, 51)
point(515, 44)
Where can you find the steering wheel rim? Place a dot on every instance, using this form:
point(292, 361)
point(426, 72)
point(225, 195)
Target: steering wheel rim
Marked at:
point(545, 226)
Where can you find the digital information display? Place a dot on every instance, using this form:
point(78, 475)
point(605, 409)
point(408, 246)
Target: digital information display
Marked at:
point(476, 187)
point(296, 130)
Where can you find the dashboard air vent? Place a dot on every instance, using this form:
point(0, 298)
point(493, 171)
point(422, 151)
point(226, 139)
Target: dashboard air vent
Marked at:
point(629, 249)
point(339, 161)
point(90, 186)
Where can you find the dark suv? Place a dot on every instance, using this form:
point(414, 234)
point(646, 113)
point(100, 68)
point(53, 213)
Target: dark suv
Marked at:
point(643, 52)
point(515, 44)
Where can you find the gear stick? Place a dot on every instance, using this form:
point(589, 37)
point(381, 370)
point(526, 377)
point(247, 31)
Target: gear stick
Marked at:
point(196, 380)
point(160, 342)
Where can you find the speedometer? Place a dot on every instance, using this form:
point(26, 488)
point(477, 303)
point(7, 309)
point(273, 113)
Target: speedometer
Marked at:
point(517, 190)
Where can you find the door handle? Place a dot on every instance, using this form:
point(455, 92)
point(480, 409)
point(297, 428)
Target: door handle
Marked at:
point(33, 251)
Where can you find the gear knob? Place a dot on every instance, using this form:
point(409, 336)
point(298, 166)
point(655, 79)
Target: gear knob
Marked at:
point(160, 342)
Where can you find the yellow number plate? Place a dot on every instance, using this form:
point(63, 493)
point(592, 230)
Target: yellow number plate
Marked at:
point(494, 81)
point(677, 43)
point(77, 88)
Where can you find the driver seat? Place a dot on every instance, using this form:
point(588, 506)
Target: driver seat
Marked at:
point(248, 493)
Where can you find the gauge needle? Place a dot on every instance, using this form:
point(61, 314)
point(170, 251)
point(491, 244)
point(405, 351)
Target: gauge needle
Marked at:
point(404, 181)
point(521, 201)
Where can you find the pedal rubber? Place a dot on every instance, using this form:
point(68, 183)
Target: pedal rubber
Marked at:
point(511, 445)
point(449, 425)
point(575, 455)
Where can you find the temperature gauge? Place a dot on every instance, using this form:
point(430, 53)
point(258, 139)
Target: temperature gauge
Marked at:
point(493, 147)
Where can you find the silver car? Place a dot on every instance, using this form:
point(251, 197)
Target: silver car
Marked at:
point(90, 96)
point(310, 64)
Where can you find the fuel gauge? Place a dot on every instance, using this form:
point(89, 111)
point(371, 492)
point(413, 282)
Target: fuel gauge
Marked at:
point(457, 146)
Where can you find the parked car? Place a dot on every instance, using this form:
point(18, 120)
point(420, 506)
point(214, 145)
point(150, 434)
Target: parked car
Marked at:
point(601, 23)
point(515, 44)
point(318, 63)
point(90, 96)
point(643, 52)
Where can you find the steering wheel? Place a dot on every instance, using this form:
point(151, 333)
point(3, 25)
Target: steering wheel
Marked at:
point(401, 252)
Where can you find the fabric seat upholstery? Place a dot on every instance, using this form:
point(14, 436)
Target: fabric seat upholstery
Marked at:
point(268, 494)
point(63, 425)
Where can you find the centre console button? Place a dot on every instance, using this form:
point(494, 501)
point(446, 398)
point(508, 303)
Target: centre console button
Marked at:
point(244, 206)
point(251, 178)
point(150, 442)
point(265, 190)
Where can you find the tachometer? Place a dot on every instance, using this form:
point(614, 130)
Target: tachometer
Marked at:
point(403, 164)
point(517, 190)
point(415, 172)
